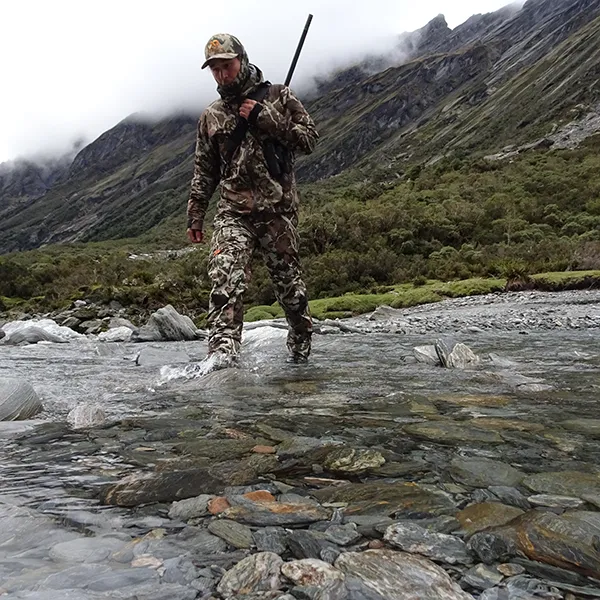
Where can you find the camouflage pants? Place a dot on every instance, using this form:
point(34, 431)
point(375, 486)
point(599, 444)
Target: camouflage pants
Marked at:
point(234, 240)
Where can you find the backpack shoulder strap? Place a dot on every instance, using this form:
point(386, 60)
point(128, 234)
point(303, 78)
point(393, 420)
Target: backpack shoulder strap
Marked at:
point(239, 132)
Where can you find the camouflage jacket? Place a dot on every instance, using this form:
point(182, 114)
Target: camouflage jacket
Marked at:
point(246, 185)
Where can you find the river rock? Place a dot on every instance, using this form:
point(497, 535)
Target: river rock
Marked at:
point(33, 335)
point(257, 573)
point(555, 501)
point(415, 539)
point(166, 325)
point(235, 534)
point(510, 495)
point(190, 508)
point(389, 575)
point(161, 487)
point(507, 594)
point(86, 549)
point(454, 355)
point(483, 472)
point(588, 427)
point(388, 499)
point(482, 577)
point(493, 546)
point(277, 514)
point(452, 433)
point(86, 415)
point(478, 517)
point(270, 539)
point(18, 400)
point(351, 460)
point(117, 322)
point(343, 535)
point(118, 334)
point(427, 355)
point(319, 574)
point(565, 483)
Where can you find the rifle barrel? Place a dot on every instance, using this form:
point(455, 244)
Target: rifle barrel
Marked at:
point(290, 74)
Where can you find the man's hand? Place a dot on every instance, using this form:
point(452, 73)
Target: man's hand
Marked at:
point(195, 236)
point(246, 108)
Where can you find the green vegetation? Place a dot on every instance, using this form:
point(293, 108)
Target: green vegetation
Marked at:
point(468, 224)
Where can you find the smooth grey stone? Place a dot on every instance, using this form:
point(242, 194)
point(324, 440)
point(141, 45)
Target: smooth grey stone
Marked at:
point(390, 575)
point(118, 334)
point(235, 534)
point(86, 550)
point(427, 355)
point(483, 472)
point(270, 539)
point(166, 324)
point(204, 542)
point(18, 400)
point(179, 570)
point(291, 498)
point(343, 535)
point(370, 526)
point(549, 572)
point(74, 577)
point(482, 577)
point(190, 508)
point(116, 322)
point(410, 537)
point(256, 573)
point(511, 496)
point(33, 335)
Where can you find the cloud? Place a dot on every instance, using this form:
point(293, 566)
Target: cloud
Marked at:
point(73, 69)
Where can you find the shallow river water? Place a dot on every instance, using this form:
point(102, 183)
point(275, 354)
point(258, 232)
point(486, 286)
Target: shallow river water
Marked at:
point(531, 404)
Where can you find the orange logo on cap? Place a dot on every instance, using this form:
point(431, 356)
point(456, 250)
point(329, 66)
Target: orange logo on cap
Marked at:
point(214, 45)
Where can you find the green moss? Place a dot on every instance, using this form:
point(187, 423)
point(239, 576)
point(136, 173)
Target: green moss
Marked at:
point(571, 280)
point(262, 312)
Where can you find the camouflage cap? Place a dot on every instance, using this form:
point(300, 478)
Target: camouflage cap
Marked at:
point(222, 45)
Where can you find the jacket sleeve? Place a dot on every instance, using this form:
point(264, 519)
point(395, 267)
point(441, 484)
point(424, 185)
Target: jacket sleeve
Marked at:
point(206, 176)
point(294, 127)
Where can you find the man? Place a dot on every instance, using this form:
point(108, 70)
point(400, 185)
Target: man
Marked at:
point(246, 144)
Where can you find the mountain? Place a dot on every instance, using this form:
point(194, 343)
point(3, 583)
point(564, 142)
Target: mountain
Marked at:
point(516, 78)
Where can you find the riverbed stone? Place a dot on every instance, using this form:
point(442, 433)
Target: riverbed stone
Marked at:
point(478, 517)
point(564, 483)
point(482, 577)
point(86, 415)
point(270, 539)
point(451, 432)
point(33, 335)
point(415, 539)
point(235, 534)
point(455, 355)
point(343, 535)
point(257, 573)
point(150, 356)
point(318, 574)
point(86, 549)
point(277, 514)
point(493, 546)
point(551, 501)
point(484, 472)
point(427, 355)
point(190, 508)
point(353, 460)
point(18, 400)
point(161, 487)
point(165, 325)
point(510, 495)
point(390, 575)
point(588, 427)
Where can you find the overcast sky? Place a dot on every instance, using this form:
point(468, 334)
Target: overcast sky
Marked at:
point(73, 69)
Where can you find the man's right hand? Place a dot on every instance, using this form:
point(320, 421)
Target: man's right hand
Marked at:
point(195, 235)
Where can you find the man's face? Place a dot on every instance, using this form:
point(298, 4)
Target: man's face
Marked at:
point(225, 70)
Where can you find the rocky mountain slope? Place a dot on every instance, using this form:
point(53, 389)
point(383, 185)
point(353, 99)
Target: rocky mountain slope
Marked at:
point(514, 77)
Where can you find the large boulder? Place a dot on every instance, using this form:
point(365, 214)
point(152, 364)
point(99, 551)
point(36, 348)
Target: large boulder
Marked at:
point(167, 325)
point(38, 330)
point(33, 335)
point(18, 400)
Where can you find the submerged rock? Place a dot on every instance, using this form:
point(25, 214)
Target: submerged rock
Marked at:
point(350, 460)
point(483, 472)
point(413, 538)
point(427, 355)
point(564, 483)
point(478, 517)
point(277, 514)
point(257, 573)
point(150, 357)
point(452, 433)
point(18, 400)
point(389, 575)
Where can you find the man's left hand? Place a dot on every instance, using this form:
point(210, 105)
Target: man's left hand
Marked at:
point(246, 108)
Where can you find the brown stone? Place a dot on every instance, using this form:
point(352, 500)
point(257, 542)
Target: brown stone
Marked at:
point(218, 505)
point(376, 545)
point(264, 449)
point(265, 514)
point(260, 496)
point(478, 517)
